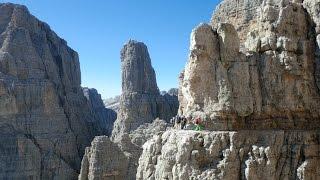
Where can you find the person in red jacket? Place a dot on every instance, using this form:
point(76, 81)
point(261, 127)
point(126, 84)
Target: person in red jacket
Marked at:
point(197, 122)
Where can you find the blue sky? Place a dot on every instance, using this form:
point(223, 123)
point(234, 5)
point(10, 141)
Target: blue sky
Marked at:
point(98, 29)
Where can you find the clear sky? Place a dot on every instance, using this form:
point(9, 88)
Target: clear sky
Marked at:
point(98, 29)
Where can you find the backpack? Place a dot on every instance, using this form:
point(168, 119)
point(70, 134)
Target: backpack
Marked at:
point(178, 120)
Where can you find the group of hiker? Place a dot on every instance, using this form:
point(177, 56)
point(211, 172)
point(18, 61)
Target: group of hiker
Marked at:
point(187, 123)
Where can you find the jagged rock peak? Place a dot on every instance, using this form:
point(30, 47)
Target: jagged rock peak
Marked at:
point(137, 73)
point(140, 100)
point(140, 104)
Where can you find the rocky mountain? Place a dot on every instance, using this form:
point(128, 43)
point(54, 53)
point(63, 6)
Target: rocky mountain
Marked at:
point(45, 120)
point(103, 117)
point(140, 100)
point(270, 84)
point(140, 104)
point(252, 78)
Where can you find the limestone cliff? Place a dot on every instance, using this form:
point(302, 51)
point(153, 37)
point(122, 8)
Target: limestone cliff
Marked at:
point(254, 71)
point(140, 101)
point(45, 122)
point(270, 84)
point(231, 155)
point(140, 104)
point(103, 117)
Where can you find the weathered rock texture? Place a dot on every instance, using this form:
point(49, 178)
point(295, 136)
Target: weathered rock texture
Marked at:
point(103, 160)
point(45, 122)
point(106, 159)
point(313, 8)
point(140, 100)
point(231, 155)
point(103, 117)
point(140, 104)
point(254, 71)
point(270, 84)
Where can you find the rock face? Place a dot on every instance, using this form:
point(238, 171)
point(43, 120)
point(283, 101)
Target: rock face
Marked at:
point(45, 122)
point(106, 159)
point(313, 8)
point(140, 104)
point(103, 160)
point(231, 155)
point(255, 72)
point(140, 100)
point(103, 117)
point(270, 84)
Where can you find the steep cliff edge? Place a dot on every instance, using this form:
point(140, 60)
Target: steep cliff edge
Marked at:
point(45, 122)
point(103, 117)
point(269, 84)
point(140, 105)
point(252, 76)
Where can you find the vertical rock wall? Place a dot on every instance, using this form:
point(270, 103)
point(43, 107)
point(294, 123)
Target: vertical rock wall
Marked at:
point(102, 116)
point(266, 79)
point(140, 101)
point(261, 86)
point(45, 122)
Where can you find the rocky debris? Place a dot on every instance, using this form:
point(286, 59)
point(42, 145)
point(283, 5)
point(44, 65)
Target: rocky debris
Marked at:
point(147, 131)
point(45, 122)
point(106, 159)
point(103, 117)
point(231, 155)
point(263, 79)
point(140, 100)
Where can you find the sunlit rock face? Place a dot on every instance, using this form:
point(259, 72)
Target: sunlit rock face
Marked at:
point(253, 78)
point(264, 80)
point(140, 100)
point(45, 122)
point(231, 155)
point(141, 106)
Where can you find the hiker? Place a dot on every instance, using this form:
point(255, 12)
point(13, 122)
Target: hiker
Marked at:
point(172, 121)
point(197, 122)
point(178, 121)
point(189, 125)
point(183, 122)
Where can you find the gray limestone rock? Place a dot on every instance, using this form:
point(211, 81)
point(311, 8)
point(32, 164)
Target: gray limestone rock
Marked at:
point(103, 160)
point(45, 122)
point(231, 155)
point(140, 105)
point(140, 100)
point(265, 92)
point(103, 117)
point(268, 83)
point(108, 160)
